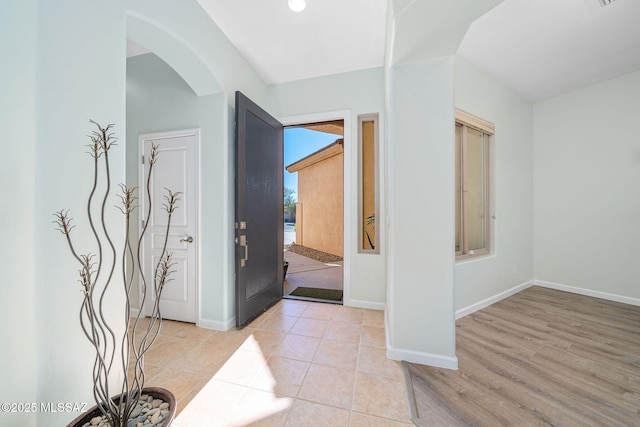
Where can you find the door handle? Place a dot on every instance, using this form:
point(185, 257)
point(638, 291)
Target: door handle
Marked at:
point(189, 239)
point(244, 244)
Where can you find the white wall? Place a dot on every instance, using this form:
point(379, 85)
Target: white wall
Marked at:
point(511, 260)
point(587, 170)
point(420, 309)
point(81, 76)
point(184, 35)
point(18, 330)
point(360, 92)
point(159, 100)
point(422, 38)
point(69, 67)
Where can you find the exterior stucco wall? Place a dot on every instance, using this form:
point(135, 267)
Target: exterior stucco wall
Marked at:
point(320, 193)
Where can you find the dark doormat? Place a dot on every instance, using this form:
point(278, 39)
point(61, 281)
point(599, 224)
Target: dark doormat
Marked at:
point(317, 293)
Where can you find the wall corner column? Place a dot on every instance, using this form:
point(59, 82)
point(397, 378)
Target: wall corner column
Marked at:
point(420, 304)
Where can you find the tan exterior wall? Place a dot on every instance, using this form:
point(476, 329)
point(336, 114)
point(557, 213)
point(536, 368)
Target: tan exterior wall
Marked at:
point(320, 192)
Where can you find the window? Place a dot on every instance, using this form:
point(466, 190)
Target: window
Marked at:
point(472, 142)
point(367, 165)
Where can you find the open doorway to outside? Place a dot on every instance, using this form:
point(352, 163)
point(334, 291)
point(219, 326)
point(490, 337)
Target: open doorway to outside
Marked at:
point(314, 211)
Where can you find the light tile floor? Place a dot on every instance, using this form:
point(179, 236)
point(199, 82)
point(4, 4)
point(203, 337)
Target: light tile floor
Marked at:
point(299, 364)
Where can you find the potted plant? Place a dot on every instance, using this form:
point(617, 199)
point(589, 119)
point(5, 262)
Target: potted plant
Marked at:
point(97, 274)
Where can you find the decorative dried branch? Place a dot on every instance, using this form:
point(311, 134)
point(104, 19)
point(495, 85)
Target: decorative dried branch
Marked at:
point(164, 270)
point(86, 273)
point(64, 222)
point(103, 137)
point(93, 322)
point(153, 157)
point(171, 200)
point(127, 199)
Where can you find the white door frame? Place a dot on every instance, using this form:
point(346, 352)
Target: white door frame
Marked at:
point(345, 116)
point(141, 194)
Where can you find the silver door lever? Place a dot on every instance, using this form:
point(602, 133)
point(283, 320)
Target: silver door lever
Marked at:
point(189, 239)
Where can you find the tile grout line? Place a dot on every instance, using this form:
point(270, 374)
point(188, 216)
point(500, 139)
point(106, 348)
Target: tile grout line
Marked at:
point(355, 382)
point(335, 317)
point(295, 399)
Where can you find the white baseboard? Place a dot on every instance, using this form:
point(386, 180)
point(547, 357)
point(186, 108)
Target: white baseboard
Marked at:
point(429, 359)
point(492, 300)
point(437, 360)
point(588, 292)
point(203, 323)
point(366, 304)
point(225, 326)
point(217, 325)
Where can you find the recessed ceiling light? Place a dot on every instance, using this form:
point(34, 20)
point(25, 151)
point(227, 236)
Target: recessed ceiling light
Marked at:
point(297, 5)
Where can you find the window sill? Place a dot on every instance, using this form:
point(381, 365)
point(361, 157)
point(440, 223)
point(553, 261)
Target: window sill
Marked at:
point(466, 259)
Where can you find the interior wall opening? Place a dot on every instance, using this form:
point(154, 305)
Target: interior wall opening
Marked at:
point(162, 108)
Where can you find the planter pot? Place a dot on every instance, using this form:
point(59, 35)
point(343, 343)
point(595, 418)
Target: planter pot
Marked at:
point(156, 392)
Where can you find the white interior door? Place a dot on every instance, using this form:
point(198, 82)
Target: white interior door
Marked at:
point(176, 169)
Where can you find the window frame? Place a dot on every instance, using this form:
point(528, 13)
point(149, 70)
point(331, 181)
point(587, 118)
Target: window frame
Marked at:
point(466, 121)
point(375, 118)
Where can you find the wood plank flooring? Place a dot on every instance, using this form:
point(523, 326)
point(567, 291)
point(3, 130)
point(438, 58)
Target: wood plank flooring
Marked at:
point(540, 357)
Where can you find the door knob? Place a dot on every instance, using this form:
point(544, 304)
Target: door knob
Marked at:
point(189, 239)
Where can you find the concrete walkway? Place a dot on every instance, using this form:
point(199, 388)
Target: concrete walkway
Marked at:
point(310, 273)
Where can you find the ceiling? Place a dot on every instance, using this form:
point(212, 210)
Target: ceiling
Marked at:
point(543, 48)
point(539, 48)
point(328, 37)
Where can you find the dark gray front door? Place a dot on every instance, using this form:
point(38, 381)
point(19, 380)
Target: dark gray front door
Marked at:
point(259, 215)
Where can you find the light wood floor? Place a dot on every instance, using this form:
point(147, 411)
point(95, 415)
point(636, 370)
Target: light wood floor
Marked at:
point(540, 357)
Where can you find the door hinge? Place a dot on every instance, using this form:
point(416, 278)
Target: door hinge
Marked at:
point(143, 159)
